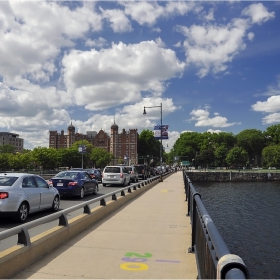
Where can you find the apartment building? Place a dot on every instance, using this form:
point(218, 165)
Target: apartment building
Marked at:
point(8, 138)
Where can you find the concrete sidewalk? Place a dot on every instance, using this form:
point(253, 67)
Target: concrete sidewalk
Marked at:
point(146, 239)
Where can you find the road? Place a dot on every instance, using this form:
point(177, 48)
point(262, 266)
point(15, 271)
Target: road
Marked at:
point(7, 223)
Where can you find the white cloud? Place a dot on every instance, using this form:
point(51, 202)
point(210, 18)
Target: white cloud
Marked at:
point(251, 36)
point(202, 118)
point(147, 13)
point(258, 13)
point(271, 118)
point(272, 104)
point(100, 42)
point(118, 75)
point(118, 20)
point(212, 47)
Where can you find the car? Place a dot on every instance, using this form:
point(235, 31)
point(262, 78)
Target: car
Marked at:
point(133, 174)
point(74, 183)
point(22, 194)
point(95, 174)
point(143, 171)
point(115, 175)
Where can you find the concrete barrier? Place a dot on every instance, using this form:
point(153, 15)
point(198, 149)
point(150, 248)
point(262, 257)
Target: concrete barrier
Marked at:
point(17, 258)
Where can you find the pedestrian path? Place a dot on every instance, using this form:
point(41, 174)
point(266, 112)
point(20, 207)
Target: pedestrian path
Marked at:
point(146, 239)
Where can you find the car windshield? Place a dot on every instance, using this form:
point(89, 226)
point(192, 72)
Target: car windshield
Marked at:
point(139, 167)
point(67, 174)
point(129, 168)
point(112, 170)
point(7, 181)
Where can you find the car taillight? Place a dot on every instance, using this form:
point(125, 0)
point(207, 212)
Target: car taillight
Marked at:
point(4, 195)
point(143, 171)
point(121, 176)
point(72, 184)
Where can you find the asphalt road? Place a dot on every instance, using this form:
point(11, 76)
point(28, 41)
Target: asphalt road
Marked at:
point(7, 223)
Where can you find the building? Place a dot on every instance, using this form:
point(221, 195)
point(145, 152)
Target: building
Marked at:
point(8, 138)
point(61, 140)
point(123, 146)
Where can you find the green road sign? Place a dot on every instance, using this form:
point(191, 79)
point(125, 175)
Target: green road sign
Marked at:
point(186, 162)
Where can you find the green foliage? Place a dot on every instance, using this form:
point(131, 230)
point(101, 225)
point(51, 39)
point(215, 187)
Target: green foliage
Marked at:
point(237, 157)
point(10, 149)
point(100, 157)
point(271, 156)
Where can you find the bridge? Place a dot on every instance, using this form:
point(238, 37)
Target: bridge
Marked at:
point(153, 230)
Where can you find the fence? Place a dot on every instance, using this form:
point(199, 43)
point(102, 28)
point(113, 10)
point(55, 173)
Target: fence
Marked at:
point(214, 260)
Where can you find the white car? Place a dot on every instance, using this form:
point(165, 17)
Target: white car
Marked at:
point(115, 175)
point(23, 193)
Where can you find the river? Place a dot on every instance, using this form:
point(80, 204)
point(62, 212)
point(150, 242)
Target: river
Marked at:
point(247, 215)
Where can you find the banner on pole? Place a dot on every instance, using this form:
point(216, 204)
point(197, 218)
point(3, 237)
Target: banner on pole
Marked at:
point(161, 131)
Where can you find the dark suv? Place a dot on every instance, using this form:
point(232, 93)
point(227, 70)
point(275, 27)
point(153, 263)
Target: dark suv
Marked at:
point(143, 171)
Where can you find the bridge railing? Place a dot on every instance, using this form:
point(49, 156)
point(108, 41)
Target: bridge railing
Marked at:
point(214, 260)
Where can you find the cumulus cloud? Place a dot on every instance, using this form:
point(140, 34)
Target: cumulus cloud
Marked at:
point(99, 43)
point(202, 118)
point(258, 13)
point(118, 20)
point(212, 47)
point(147, 13)
point(118, 75)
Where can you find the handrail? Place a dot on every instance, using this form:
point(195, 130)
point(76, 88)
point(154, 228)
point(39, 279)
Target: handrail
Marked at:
point(22, 230)
point(214, 259)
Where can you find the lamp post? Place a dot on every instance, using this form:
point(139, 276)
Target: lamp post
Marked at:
point(160, 151)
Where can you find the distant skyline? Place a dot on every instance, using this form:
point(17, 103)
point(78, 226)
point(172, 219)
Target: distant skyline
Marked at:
point(214, 66)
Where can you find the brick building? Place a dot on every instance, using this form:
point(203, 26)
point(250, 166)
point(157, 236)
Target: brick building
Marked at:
point(123, 145)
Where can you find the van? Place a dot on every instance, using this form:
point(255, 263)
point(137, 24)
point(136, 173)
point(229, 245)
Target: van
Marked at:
point(118, 175)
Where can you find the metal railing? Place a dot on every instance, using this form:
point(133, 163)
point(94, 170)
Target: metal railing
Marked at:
point(22, 231)
point(214, 260)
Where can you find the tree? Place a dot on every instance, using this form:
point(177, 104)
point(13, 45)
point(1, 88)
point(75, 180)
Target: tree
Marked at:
point(100, 157)
point(271, 156)
point(205, 158)
point(220, 155)
point(10, 149)
point(148, 145)
point(252, 141)
point(237, 156)
point(45, 157)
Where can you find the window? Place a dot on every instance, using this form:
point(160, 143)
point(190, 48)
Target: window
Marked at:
point(28, 182)
point(40, 182)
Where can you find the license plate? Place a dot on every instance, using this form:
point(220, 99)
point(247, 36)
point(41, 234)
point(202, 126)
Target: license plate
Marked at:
point(59, 184)
point(112, 176)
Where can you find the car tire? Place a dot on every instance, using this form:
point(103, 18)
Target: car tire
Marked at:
point(82, 193)
point(22, 212)
point(96, 189)
point(104, 185)
point(56, 203)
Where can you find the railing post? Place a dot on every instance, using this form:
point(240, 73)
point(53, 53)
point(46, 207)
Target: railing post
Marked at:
point(191, 249)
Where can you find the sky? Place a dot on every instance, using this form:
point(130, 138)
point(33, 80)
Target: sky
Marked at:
point(213, 65)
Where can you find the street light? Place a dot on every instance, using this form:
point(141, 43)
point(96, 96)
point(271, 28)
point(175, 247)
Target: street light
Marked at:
point(160, 151)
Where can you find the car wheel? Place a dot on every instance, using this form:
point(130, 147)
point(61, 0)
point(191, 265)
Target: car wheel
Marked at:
point(82, 193)
point(104, 185)
point(55, 205)
point(96, 189)
point(22, 213)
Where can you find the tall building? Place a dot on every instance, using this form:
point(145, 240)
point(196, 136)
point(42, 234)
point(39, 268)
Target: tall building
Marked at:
point(8, 138)
point(123, 145)
point(61, 140)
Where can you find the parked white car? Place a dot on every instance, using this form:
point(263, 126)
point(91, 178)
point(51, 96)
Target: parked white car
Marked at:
point(23, 193)
point(115, 175)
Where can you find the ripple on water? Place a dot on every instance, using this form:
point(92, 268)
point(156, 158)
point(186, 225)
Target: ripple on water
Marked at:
point(247, 216)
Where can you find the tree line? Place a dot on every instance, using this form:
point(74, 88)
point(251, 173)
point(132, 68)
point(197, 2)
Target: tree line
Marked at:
point(250, 147)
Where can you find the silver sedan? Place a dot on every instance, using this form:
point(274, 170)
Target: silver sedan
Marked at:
point(23, 193)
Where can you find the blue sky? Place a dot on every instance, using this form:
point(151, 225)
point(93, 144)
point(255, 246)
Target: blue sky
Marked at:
point(214, 66)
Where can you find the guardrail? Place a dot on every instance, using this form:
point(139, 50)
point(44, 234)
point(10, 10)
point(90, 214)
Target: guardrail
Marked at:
point(214, 260)
point(28, 250)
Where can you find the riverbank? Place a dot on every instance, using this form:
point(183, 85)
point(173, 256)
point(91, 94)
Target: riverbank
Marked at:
point(217, 176)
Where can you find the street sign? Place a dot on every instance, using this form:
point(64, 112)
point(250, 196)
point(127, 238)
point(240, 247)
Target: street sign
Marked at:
point(186, 162)
point(82, 149)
